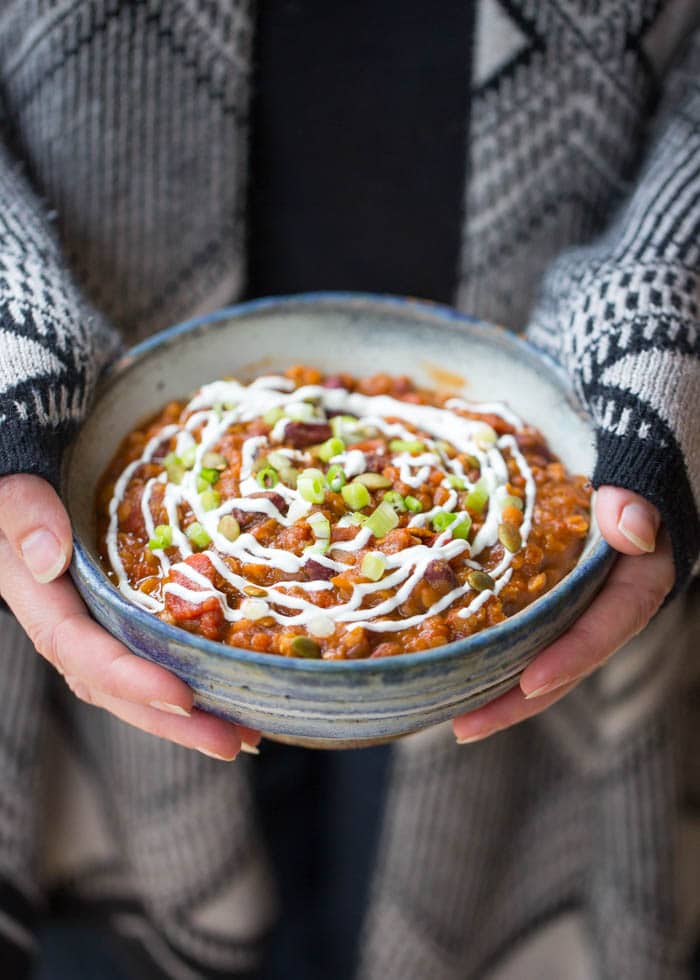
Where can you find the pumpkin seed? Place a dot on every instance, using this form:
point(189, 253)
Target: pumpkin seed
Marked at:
point(305, 647)
point(373, 481)
point(480, 581)
point(254, 591)
point(509, 536)
point(229, 527)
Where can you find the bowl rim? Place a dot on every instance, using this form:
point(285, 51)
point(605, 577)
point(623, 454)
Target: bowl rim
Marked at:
point(87, 571)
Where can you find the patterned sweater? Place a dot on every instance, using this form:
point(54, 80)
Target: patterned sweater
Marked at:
point(582, 220)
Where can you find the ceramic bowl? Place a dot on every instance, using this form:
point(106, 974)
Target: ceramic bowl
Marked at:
point(335, 703)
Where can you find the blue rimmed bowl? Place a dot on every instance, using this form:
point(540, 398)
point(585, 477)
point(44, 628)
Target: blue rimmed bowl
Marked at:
point(334, 703)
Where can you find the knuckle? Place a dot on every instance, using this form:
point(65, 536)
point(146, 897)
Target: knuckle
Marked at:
point(54, 642)
point(80, 689)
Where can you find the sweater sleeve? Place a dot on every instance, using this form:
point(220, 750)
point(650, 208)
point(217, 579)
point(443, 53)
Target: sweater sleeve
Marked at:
point(53, 345)
point(621, 315)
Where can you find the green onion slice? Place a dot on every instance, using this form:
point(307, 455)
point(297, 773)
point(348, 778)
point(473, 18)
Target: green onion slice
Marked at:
point(210, 499)
point(373, 565)
point(382, 520)
point(162, 537)
point(188, 457)
point(272, 416)
point(331, 447)
point(456, 482)
point(413, 504)
point(442, 520)
point(198, 535)
point(477, 497)
point(320, 525)
point(209, 474)
point(395, 499)
point(311, 486)
point(406, 446)
point(267, 477)
point(336, 477)
point(462, 527)
point(212, 461)
point(355, 495)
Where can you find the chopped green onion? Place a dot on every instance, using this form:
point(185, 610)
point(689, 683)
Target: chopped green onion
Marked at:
point(477, 497)
point(336, 477)
point(406, 446)
point(395, 499)
point(373, 481)
point(331, 447)
point(442, 520)
point(213, 461)
point(267, 477)
point(299, 411)
point(319, 547)
point(303, 646)
point(456, 482)
point(229, 527)
point(373, 565)
point(511, 501)
point(174, 468)
point(343, 425)
point(202, 485)
point(351, 520)
point(462, 528)
point(311, 486)
point(209, 474)
point(188, 457)
point(210, 499)
point(355, 495)
point(198, 535)
point(162, 537)
point(272, 416)
point(319, 525)
point(278, 460)
point(382, 520)
point(413, 504)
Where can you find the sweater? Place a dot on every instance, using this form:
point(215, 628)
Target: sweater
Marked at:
point(581, 219)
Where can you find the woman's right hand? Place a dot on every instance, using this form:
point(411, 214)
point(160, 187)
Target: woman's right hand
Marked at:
point(35, 551)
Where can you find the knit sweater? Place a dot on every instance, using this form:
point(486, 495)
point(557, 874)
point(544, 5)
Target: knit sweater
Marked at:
point(582, 219)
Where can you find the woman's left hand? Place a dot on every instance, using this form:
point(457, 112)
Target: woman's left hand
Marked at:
point(637, 585)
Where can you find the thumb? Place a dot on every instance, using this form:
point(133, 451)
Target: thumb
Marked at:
point(35, 523)
point(627, 521)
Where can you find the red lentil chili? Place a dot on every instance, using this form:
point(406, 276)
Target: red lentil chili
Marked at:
point(327, 516)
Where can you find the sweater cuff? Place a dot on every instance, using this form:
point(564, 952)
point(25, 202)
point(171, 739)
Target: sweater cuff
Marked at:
point(657, 473)
point(28, 447)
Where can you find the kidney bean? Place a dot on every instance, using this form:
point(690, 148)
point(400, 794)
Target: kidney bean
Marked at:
point(439, 576)
point(300, 435)
point(315, 570)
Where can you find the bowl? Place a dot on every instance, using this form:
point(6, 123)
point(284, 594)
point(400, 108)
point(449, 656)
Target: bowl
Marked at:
point(334, 703)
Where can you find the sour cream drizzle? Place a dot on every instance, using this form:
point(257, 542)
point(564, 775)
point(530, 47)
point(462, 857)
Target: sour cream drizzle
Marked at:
point(220, 404)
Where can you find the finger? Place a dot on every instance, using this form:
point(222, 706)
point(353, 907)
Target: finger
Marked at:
point(628, 522)
point(63, 632)
point(633, 592)
point(201, 731)
point(35, 523)
point(505, 711)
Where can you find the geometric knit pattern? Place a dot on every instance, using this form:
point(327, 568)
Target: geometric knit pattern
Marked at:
point(129, 123)
point(623, 317)
point(558, 93)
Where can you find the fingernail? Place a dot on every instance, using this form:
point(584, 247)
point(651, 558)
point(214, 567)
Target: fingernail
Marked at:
point(638, 526)
point(466, 739)
point(250, 749)
point(219, 758)
point(547, 688)
point(171, 709)
point(43, 555)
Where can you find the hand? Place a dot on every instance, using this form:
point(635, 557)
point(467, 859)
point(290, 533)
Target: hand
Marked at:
point(35, 551)
point(632, 593)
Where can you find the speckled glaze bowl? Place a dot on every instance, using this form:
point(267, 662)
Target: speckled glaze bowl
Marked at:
point(335, 703)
